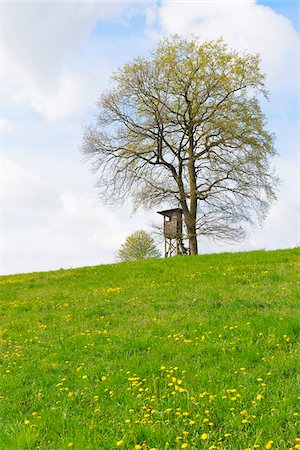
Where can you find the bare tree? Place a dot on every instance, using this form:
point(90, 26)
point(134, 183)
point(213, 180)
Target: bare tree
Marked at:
point(185, 128)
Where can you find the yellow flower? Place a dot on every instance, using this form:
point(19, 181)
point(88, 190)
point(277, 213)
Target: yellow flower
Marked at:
point(184, 445)
point(70, 444)
point(26, 421)
point(137, 447)
point(268, 444)
point(120, 443)
point(103, 378)
point(204, 436)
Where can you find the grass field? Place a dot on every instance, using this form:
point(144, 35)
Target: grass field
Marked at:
point(188, 352)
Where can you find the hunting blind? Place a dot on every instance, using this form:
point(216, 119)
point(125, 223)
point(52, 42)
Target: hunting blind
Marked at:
point(173, 232)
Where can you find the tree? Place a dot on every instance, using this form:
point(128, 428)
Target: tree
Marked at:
point(139, 245)
point(185, 128)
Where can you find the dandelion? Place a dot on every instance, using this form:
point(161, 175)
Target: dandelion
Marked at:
point(120, 443)
point(137, 447)
point(204, 436)
point(269, 445)
point(70, 444)
point(184, 445)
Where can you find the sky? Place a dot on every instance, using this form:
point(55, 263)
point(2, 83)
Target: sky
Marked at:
point(57, 58)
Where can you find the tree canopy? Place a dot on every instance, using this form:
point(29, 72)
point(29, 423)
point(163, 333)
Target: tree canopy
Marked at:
point(185, 128)
point(139, 245)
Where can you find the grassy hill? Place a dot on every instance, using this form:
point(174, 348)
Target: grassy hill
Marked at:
point(188, 352)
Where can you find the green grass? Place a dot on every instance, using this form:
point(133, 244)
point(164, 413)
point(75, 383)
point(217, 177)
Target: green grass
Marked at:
point(188, 352)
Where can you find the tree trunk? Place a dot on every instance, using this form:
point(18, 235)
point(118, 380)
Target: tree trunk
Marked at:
point(191, 225)
point(192, 236)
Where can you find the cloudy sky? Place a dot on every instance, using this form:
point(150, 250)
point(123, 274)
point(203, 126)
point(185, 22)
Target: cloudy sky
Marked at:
point(56, 59)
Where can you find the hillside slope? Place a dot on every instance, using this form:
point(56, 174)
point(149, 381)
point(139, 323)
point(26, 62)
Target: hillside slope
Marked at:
point(188, 352)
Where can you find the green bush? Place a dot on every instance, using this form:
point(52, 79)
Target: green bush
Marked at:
point(139, 245)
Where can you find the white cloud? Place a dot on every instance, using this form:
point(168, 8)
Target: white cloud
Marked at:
point(47, 226)
point(45, 61)
point(24, 189)
point(6, 126)
point(66, 98)
point(245, 25)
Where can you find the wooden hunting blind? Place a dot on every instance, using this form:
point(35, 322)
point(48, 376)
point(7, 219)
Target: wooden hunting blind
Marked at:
point(173, 231)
